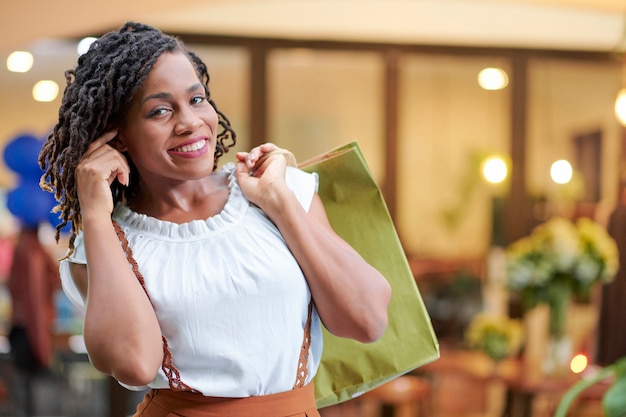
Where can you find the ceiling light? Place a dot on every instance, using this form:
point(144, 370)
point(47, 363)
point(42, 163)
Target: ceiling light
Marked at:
point(493, 79)
point(20, 61)
point(84, 44)
point(45, 90)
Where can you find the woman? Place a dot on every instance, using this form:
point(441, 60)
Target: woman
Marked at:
point(231, 270)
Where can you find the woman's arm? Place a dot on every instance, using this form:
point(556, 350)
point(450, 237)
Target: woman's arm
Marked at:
point(350, 295)
point(122, 333)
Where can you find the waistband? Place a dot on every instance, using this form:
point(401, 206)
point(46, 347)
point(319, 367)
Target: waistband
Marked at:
point(188, 404)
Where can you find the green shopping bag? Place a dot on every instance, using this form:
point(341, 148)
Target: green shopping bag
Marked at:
point(358, 213)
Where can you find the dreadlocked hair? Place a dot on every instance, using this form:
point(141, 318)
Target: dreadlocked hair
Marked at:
point(98, 93)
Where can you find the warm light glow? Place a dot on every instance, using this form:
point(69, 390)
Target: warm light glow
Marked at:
point(561, 172)
point(84, 44)
point(620, 106)
point(578, 363)
point(493, 79)
point(45, 90)
point(495, 170)
point(20, 61)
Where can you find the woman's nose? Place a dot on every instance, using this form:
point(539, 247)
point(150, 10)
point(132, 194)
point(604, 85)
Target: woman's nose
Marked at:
point(187, 121)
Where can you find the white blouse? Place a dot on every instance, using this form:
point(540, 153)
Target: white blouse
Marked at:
point(230, 297)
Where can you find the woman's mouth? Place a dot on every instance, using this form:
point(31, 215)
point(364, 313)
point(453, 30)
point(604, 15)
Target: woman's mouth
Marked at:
point(191, 147)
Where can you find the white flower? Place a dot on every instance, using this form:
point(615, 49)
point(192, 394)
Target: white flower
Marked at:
point(582, 253)
point(565, 244)
point(587, 270)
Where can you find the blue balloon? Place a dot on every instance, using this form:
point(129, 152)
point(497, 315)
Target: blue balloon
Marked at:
point(30, 203)
point(53, 219)
point(21, 154)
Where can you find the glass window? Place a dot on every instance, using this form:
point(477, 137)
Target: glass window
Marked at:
point(323, 99)
point(229, 85)
point(448, 124)
point(571, 117)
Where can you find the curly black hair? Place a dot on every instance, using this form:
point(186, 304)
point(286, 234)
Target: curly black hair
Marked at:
point(97, 95)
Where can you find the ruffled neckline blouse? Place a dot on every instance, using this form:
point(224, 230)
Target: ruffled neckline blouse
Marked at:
point(234, 209)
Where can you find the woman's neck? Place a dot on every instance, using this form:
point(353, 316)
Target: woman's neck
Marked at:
point(194, 200)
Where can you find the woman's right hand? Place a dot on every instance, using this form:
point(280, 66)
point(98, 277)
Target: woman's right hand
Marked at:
point(100, 166)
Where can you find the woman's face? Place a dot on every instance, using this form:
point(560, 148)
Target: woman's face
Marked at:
point(170, 129)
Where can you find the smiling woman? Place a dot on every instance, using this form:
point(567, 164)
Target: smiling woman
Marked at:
point(233, 270)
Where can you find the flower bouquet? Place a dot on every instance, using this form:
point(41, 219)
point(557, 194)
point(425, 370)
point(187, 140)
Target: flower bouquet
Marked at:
point(558, 261)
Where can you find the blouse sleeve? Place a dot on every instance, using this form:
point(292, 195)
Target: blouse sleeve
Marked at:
point(304, 185)
point(67, 282)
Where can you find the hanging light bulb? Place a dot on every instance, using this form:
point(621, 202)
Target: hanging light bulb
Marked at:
point(620, 106)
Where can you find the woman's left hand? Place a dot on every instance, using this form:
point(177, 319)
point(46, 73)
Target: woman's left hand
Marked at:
point(261, 174)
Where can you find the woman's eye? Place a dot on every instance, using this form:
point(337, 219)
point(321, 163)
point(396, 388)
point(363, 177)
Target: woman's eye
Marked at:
point(198, 99)
point(158, 111)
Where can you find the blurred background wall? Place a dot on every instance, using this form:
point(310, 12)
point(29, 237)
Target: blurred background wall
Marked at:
point(400, 77)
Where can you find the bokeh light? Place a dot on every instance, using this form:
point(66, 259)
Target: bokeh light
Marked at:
point(495, 170)
point(45, 91)
point(84, 44)
point(493, 79)
point(578, 363)
point(561, 172)
point(20, 61)
point(620, 106)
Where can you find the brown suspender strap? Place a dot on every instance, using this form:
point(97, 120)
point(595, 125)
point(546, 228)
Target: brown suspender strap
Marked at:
point(173, 375)
point(303, 360)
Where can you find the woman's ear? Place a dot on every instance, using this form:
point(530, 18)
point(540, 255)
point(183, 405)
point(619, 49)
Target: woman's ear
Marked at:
point(118, 144)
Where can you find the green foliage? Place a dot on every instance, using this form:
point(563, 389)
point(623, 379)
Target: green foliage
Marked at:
point(614, 400)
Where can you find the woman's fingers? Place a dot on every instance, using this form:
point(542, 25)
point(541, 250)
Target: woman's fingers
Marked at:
point(103, 161)
point(105, 164)
point(102, 140)
point(260, 164)
point(251, 158)
point(256, 158)
point(101, 165)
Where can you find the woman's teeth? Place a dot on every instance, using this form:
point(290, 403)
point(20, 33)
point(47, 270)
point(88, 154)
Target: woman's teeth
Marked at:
point(191, 147)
